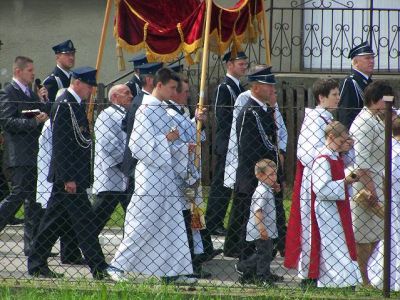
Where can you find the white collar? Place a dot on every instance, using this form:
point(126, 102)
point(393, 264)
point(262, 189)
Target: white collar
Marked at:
point(364, 75)
point(22, 86)
point(262, 104)
point(76, 96)
point(67, 73)
point(235, 80)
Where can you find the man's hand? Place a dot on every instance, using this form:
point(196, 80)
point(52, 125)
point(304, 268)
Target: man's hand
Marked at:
point(192, 147)
point(201, 114)
point(172, 135)
point(276, 187)
point(43, 94)
point(42, 117)
point(70, 187)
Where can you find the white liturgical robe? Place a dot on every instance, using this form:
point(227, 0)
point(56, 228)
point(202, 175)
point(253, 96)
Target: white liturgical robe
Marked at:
point(155, 241)
point(44, 187)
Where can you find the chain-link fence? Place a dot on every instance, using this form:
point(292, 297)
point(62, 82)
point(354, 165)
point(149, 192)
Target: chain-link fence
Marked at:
point(156, 218)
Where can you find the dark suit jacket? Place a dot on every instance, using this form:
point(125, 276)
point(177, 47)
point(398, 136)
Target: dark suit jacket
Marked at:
point(251, 147)
point(135, 85)
point(51, 83)
point(70, 161)
point(350, 101)
point(20, 132)
point(223, 107)
point(129, 162)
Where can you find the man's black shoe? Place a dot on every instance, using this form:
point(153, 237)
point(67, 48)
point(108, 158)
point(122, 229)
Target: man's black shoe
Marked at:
point(207, 256)
point(46, 273)
point(101, 275)
point(201, 274)
point(79, 262)
point(308, 283)
point(221, 231)
point(16, 221)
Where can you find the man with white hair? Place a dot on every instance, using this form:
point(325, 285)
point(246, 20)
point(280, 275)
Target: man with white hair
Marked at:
point(353, 86)
point(109, 182)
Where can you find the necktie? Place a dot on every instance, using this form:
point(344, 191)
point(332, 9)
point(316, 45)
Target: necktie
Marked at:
point(27, 92)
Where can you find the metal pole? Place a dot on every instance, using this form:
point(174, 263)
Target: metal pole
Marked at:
point(388, 194)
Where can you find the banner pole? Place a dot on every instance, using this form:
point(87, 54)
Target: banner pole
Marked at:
point(90, 113)
point(266, 37)
point(204, 64)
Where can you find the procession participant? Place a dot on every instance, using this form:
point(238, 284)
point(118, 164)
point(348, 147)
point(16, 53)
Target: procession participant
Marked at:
point(70, 174)
point(61, 76)
point(333, 248)
point(353, 86)
point(368, 131)
point(376, 264)
point(312, 137)
point(256, 134)
point(225, 96)
point(155, 241)
point(261, 227)
point(232, 163)
point(147, 71)
point(135, 84)
point(57, 81)
point(110, 183)
point(21, 128)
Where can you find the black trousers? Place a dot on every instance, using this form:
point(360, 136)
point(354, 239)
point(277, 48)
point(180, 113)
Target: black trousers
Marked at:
point(104, 206)
point(280, 222)
point(23, 191)
point(235, 242)
point(219, 196)
point(259, 263)
point(67, 211)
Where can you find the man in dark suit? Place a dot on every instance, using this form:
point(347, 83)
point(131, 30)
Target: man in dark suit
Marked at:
point(70, 174)
point(21, 130)
point(256, 133)
point(61, 75)
point(135, 84)
point(225, 97)
point(60, 78)
point(146, 71)
point(353, 86)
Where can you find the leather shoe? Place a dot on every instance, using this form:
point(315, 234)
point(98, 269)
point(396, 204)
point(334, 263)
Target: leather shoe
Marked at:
point(199, 273)
point(221, 231)
point(207, 256)
point(16, 221)
point(46, 273)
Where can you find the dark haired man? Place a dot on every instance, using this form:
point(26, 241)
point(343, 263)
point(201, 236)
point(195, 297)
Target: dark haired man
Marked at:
point(155, 241)
point(21, 132)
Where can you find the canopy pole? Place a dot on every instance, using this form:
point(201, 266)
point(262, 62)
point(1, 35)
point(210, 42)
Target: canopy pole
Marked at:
point(90, 113)
point(266, 37)
point(204, 64)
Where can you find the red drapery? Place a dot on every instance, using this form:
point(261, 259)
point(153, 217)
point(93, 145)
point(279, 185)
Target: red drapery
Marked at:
point(166, 28)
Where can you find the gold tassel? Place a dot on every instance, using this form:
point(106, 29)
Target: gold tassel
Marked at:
point(252, 32)
point(189, 59)
point(197, 56)
point(120, 58)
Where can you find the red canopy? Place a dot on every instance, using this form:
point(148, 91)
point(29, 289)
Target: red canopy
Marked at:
point(166, 28)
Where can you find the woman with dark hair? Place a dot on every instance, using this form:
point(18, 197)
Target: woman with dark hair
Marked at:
point(368, 131)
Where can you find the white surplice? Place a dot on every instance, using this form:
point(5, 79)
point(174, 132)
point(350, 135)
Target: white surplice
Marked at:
point(312, 137)
point(375, 264)
point(183, 164)
point(109, 151)
point(336, 267)
point(44, 187)
point(231, 162)
point(155, 241)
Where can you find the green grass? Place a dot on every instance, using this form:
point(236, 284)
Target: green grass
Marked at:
point(85, 290)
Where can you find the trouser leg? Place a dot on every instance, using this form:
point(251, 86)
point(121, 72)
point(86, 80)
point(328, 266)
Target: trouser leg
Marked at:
point(280, 223)
point(264, 257)
point(103, 207)
point(218, 198)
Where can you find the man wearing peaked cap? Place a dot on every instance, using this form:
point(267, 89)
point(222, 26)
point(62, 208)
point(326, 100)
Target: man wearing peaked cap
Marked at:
point(70, 173)
point(146, 77)
point(256, 139)
point(58, 80)
point(225, 96)
point(61, 75)
point(353, 86)
point(135, 83)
